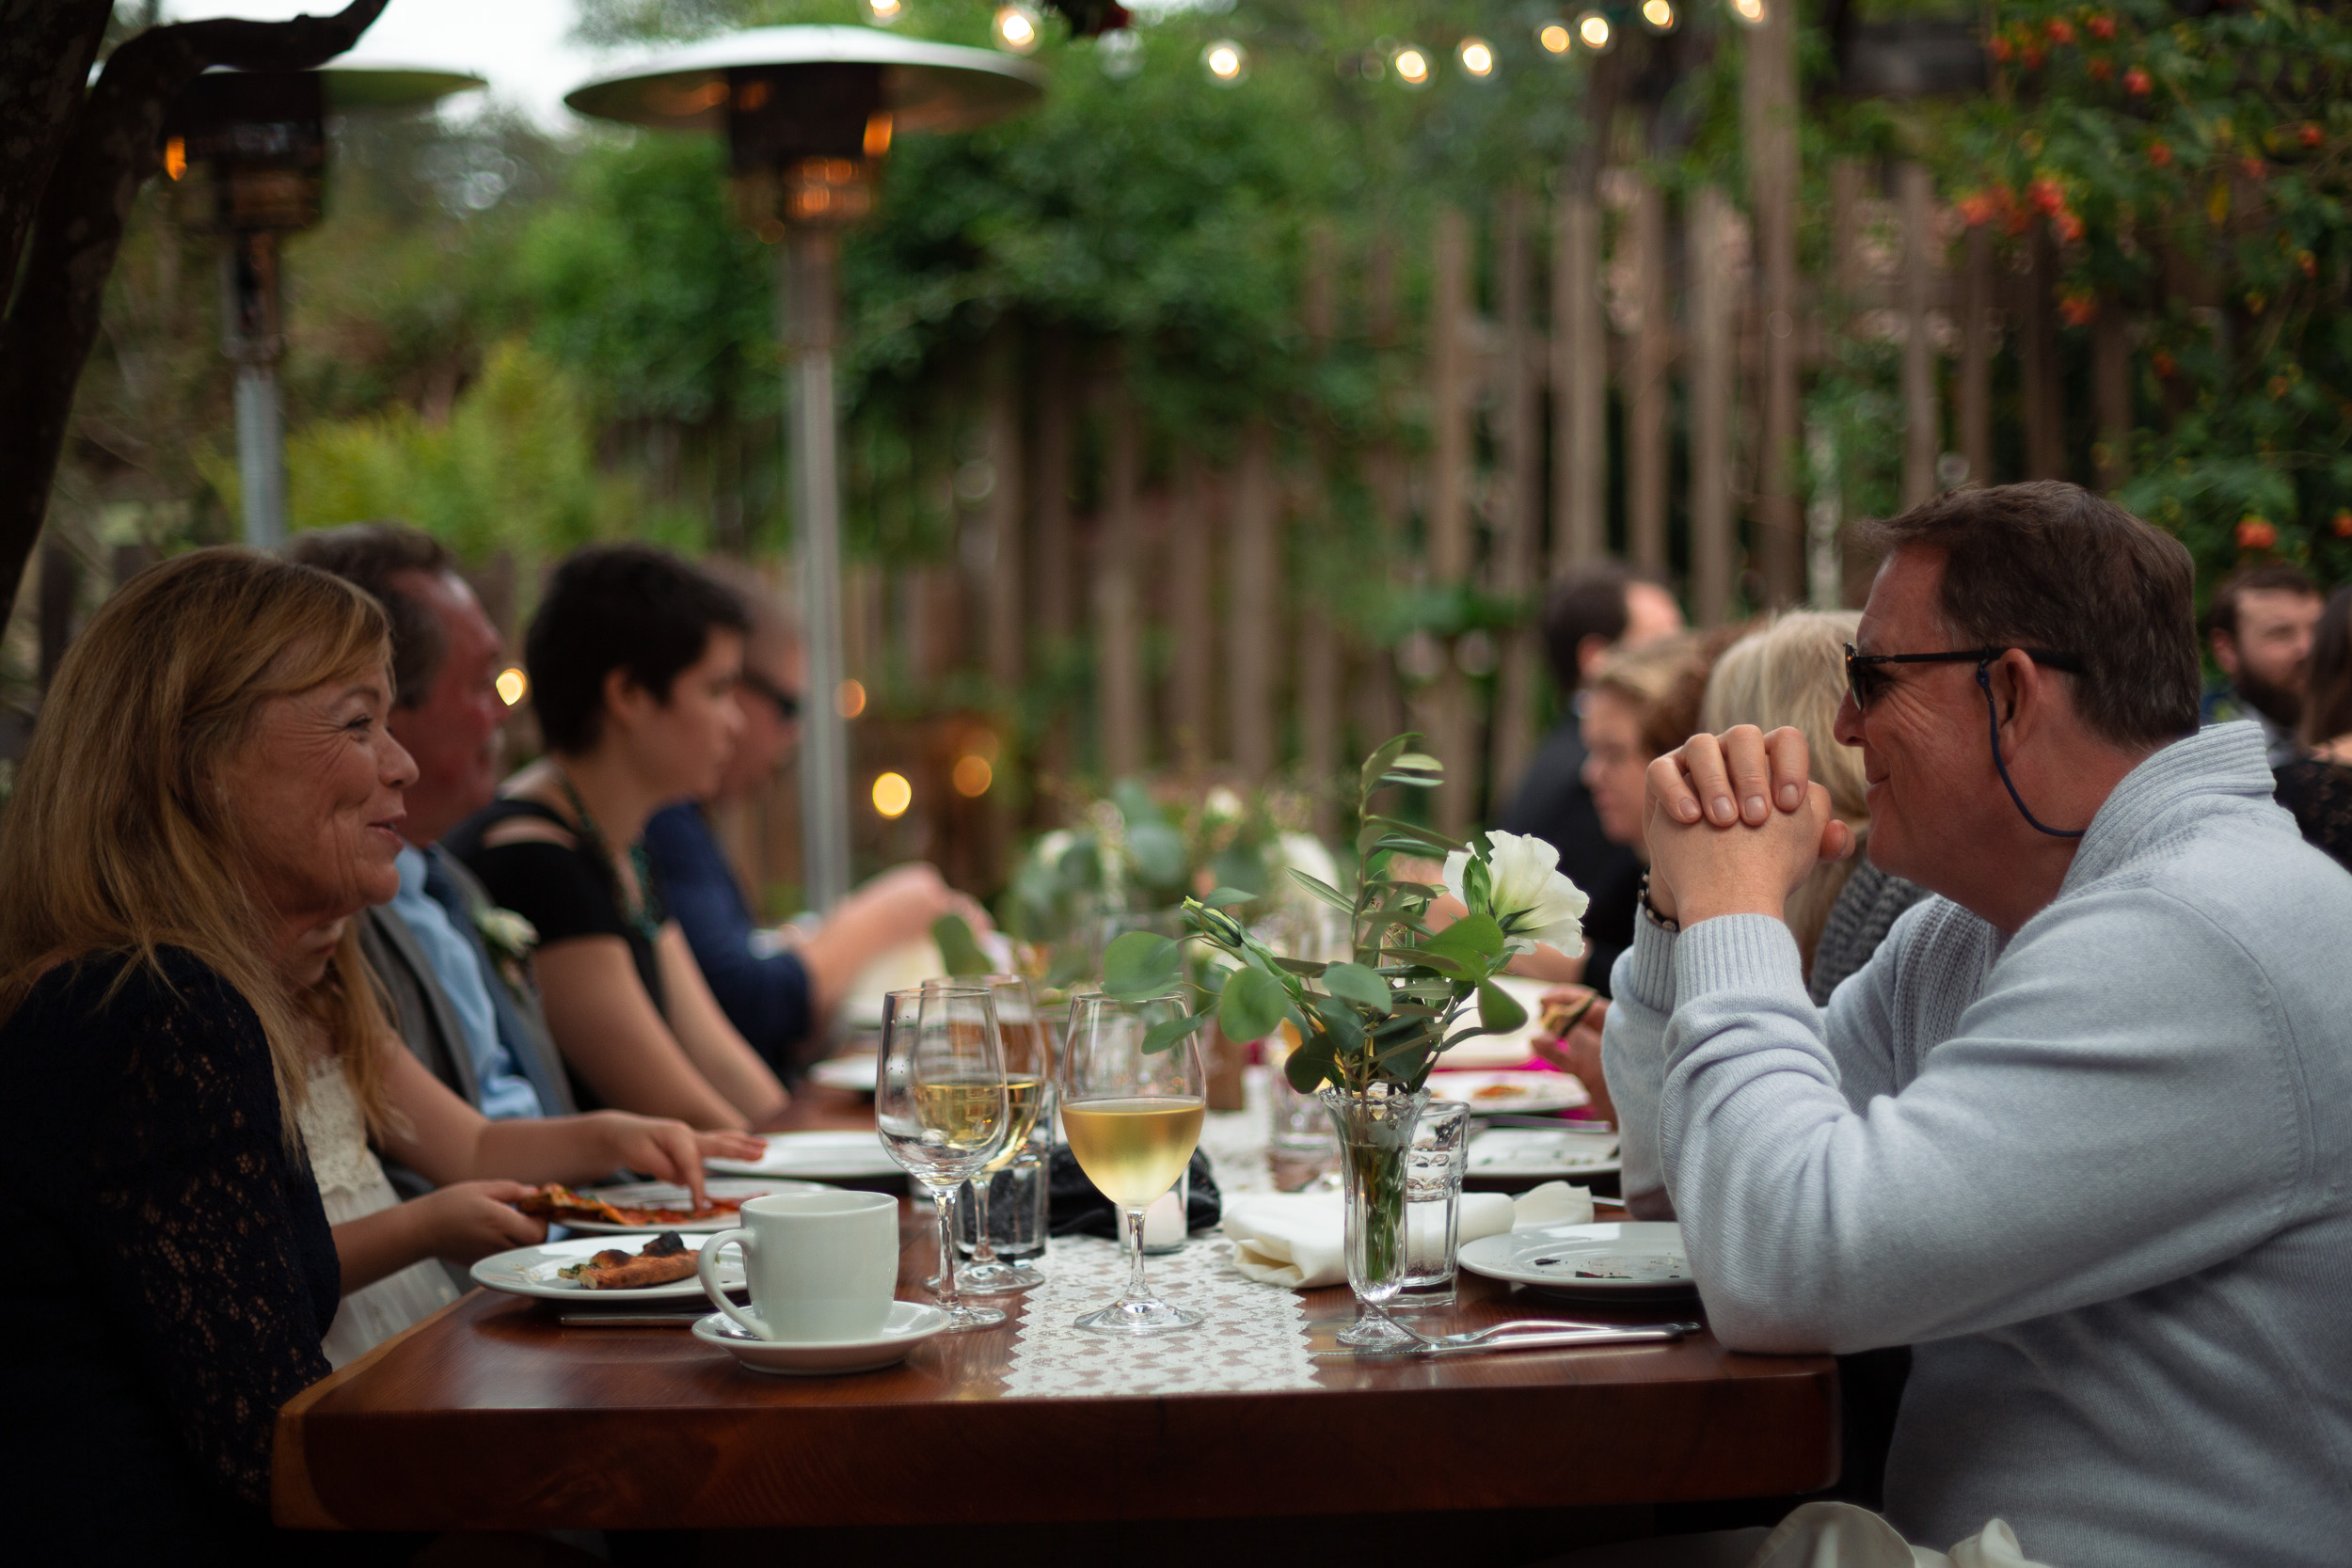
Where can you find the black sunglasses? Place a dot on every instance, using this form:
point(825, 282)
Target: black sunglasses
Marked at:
point(788, 703)
point(1865, 680)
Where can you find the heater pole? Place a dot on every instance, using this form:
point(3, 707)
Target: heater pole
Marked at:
point(809, 306)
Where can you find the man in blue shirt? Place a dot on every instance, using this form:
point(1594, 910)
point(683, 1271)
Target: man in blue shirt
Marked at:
point(779, 988)
point(465, 1010)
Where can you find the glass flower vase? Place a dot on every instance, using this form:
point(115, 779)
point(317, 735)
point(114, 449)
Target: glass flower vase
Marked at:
point(1375, 1136)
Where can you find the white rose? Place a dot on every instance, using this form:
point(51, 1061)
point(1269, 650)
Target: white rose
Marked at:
point(1528, 897)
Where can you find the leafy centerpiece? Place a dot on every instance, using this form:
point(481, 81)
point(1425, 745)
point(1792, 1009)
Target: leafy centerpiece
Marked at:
point(1373, 1026)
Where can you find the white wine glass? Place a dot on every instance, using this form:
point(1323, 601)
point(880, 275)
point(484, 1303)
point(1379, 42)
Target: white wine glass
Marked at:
point(1026, 1037)
point(1132, 1117)
point(940, 1105)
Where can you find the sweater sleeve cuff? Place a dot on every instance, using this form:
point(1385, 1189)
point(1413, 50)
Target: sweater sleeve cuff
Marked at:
point(1645, 972)
point(1735, 952)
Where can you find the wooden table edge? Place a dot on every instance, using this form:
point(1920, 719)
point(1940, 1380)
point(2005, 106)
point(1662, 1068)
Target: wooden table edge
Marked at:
point(293, 1502)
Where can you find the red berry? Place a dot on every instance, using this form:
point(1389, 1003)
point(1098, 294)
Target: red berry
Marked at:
point(2255, 533)
point(2136, 82)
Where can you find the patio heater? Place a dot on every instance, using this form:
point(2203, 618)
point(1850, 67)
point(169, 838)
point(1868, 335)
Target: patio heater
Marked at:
point(809, 113)
point(246, 152)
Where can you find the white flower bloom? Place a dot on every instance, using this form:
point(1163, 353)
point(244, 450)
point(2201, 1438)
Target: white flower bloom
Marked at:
point(1305, 852)
point(1221, 805)
point(1530, 898)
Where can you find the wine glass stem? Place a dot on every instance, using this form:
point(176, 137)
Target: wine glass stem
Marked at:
point(984, 1250)
point(944, 1199)
point(1136, 1289)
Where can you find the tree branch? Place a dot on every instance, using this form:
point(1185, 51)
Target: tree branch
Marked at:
point(46, 47)
point(111, 152)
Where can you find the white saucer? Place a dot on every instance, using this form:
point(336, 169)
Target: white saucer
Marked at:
point(854, 1073)
point(911, 1322)
point(817, 1156)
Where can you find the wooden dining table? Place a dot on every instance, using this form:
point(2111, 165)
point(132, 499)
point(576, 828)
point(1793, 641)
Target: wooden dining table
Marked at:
point(493, 1415)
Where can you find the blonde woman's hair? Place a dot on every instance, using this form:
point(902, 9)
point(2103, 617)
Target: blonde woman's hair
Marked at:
point(1792, 670)
point(1662, 680)
point(121, 839)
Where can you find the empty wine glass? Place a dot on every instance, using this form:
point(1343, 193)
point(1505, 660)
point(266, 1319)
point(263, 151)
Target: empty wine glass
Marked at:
point(1132, 1117)
point(1027, 1042)
point(940, 1105)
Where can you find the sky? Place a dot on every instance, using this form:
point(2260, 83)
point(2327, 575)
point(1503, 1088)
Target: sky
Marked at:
point(521, 47)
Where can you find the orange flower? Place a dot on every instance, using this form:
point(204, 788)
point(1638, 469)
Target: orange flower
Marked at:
point(2061, 30)
point(2255, 533)
point(2278, 386)
point(2343, 525)
point(1976, 208)
point(2309, 262)
point(2078, 306)
point(2045, 196)
point(2253, 166)
point(2163, 364)
point(2136, 82)
point(2309, 133)
point(2101, 68)
point(2101, 27)
point(2002, 49)
point(2068, 226)
point(2035, 55)
point(2160, 154)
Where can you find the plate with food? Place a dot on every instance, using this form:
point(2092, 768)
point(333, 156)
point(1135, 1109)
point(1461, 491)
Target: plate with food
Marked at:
point(1538, 1153)
point(1627, 1260)
point(635, 1206)
point(854, 1073)
point(1520, 1092)
point(816, 1157)
point(584, 1269)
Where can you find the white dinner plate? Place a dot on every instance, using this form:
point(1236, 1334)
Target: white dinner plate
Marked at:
point(531, 1271)
point(911, 1322)
point(855, 1073)
point(1509, 1048)
point(646, 1195)
point(1520, 1092)
point(1635, 1260)
point(815, 1156)
point(1501, 1152)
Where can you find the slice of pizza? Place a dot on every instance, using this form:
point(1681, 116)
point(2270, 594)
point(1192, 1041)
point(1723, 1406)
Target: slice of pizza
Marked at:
point(560, 1205)
point(1564, 1013)
point(657, 1262)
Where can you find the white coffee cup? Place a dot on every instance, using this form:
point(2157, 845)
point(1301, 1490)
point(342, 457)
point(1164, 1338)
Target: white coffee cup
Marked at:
point(822, 1266)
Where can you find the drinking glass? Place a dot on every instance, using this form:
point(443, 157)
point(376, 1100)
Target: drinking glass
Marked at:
point(1133, 1116)
point(1029, 1092)
point(941, 1107)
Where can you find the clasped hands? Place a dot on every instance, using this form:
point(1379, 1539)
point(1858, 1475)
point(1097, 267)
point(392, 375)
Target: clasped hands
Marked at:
point(1735, 824)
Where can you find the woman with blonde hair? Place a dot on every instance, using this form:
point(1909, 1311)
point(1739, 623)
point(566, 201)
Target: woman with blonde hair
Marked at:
point(1792, 671)
point(191, 1044)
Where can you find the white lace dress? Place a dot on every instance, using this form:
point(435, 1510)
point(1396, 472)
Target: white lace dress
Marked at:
point(352, 1185)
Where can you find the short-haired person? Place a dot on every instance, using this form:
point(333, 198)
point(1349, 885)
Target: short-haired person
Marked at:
point(2258, 626)
point(1587, 614)
point(634, 659)
point(778, 998)
point(2134, 1357)
point(2317, 785)
point(474, 1021)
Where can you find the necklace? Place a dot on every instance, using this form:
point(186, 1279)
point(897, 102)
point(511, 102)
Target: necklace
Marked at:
point(643, 911)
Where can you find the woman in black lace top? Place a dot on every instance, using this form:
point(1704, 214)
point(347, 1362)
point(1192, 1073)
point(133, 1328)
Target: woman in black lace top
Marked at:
point(2317, 786)
point(209, 797)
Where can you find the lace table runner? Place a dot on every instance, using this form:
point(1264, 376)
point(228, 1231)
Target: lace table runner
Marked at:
point(1254, 1338)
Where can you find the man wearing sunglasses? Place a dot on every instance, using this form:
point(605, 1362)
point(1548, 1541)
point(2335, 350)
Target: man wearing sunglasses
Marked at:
point(2080, 1133)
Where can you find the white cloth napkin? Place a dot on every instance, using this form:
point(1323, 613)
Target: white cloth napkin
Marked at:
point(1298, 1239)
point(1839, 1535)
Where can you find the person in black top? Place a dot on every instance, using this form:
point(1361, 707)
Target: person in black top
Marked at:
point(208, 800)
point(2317, 786)
point(634, 659)
point(1587, 613)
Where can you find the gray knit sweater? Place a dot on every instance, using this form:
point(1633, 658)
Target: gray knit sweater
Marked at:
point(2098, 1174)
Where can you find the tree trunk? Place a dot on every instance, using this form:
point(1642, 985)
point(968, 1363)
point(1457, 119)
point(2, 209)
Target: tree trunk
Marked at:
point(1646, 393)
point(1714, 542)
point(1446, 701)
point(1007, 633)
point(1976, 355)
point(1118, 613)
point(1922, 426)
point(1770, 107)
point(77, 228)
point(1518, 554)
point(1252, 601)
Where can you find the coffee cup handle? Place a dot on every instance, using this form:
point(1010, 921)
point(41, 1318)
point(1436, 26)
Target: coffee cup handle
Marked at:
point(706, 1265)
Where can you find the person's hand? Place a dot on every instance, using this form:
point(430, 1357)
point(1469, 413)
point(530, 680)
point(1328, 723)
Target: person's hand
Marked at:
point(668, 1150)
point(469, 1220)
point(1734, 824)
point(900, 905)
point(1578, 1051)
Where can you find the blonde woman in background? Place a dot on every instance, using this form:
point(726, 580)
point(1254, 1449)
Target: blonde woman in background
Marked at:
point(1792, 671)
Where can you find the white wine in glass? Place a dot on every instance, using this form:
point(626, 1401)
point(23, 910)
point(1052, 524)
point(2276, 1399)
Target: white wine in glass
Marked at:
point(1133, 1116)
point(940, 1106)
point(1027, 1043)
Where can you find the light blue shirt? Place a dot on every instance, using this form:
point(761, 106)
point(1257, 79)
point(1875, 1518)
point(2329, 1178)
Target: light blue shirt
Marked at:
point(504, 1093)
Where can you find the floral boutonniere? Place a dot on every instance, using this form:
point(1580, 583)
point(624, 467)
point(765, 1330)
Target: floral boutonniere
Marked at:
point(510, 939)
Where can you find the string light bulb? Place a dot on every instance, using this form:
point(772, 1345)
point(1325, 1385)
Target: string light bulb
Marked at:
point(1553, 38)
point(885, 13)
point(512, 684)
point(1594, 32)
point(1411, 65)
point(892, 795)
point(1226, 61)
point(1748, 12)
point(1016, 30)
point(1477, 57)
point(1659, 15)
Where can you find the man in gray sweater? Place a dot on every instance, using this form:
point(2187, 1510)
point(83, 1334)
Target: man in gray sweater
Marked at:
point(2081, 1132)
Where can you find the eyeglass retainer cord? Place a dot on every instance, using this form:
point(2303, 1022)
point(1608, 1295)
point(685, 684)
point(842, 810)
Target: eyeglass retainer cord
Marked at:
point(1992, 714)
